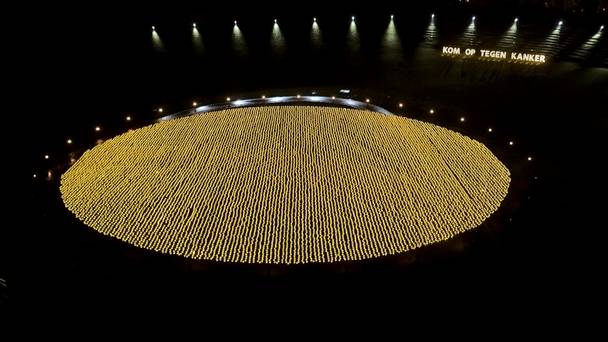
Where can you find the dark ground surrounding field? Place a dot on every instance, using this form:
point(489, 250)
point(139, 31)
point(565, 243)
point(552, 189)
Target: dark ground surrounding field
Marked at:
point(542, 246)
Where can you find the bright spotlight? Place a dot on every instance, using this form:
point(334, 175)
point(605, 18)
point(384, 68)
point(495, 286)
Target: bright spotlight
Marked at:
point(352, 18)
point(263, 96)
point(194, 25)
point(160, 110)
point(298, 96)
point(46, 156)
point(128, 118)
point(153, 28)
point(97, 128)
point(367, 100)
point(228, 99)
point(462, 119)
point(392, 16)
point(511, 143)
point(35, 175)
point(194, 104)
point(275, 21)
point(432, 111)
point(235, 22)
point(529, 158)
point(561, 22)
point(400, 105)
point(490, 130)
point(333, 97)
point(433, 15)
point(474, 18)
point(69, 141)
point(601, 27)
point(314, 19)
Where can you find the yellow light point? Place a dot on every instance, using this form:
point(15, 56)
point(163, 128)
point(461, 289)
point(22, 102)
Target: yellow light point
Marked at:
point(97, 128)
point(298, 96)
point(490, 130)
point(128, 118)
point(46, 156)
point(432, 111)
point(462, 119)
point(69, 141)
point(400, 105)
point(194, 104)
point(367, 100)
point(160, 110)
point(285, 185)
point(263, 96)
point(228, 99)
point(333, 97)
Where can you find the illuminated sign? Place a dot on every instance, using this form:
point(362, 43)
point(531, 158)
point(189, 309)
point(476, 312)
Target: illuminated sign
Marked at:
point(494, 54)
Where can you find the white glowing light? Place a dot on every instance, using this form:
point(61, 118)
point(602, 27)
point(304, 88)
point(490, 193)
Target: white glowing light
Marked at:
point(46, 156)
point(194, 25)
point(97, 128)
point(194, 104)
point(333, 97)
point(490, 130)
point(275, 21)
point(462, 119)
point(160, 110)
point(433, 15)
point(601, 27)
point(128, 118)
point(432, 111)
point(298, 96)
point(392, 16)
point(35, 175)
point(511, 143)
point(228, 99)
point(352, 18)
point(367, 100)
point(153, 28)
point(561, 22)
point(314, 19)
point(264, 96)
point(516, 20)
point(235, 22)
point(400, 105)
point(474, 18)
point(69, 141)
point(529, 158)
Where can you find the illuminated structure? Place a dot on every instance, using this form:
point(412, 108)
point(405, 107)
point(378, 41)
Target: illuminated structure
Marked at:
point(285, 184)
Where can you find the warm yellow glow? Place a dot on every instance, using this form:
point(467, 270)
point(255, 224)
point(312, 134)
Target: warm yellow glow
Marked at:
point(263, 96)
point(400, 105)
point(97, 128)
point(298, 96)
point(128, 118)
point(490, 130)
point(285, 184)
point(46, 156)
point(333, 97)
point(69, 141)
point(462, 119)
point(432, 111)
point(367, 100)
point(160, 110)
point(194, 104)
point(228, 99)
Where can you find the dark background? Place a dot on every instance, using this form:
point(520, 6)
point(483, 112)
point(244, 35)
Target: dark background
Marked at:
point(87, 65)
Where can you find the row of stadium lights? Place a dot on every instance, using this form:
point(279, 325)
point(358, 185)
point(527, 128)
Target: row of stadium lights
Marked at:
point(314, 19)
point(129, 118)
